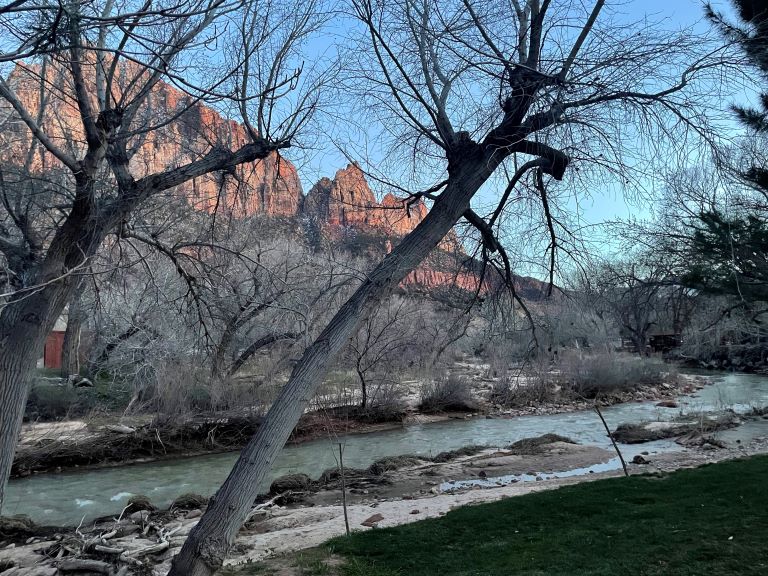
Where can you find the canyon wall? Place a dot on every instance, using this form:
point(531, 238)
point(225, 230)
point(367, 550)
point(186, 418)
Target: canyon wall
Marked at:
point(170, 131)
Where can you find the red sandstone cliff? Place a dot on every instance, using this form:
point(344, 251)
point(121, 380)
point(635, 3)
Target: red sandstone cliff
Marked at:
point(181, 132)
point(185, 132)
point(347, 200)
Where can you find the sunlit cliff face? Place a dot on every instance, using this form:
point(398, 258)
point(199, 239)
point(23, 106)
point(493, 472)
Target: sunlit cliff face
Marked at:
point(170, 131)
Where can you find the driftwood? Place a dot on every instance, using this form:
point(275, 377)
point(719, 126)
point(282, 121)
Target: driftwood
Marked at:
point(108, 549)
point(83, 565)
point(153, 549)
point(264, 505)
point(120, 428)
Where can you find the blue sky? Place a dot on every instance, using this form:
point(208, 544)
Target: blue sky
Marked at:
point(603, 205)
point(611, 204)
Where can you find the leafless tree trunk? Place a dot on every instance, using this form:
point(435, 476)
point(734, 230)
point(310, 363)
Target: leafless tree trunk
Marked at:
point(70, 357)
point(23, 330)
point(107, 64)
point(208, 543)
point(415, 70)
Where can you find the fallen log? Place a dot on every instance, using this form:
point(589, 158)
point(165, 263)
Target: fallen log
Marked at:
point(83, 565)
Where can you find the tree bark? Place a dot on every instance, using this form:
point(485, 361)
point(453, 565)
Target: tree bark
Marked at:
point(363, 388)
point(70, 354)
point(24, 326)
point(208, 543)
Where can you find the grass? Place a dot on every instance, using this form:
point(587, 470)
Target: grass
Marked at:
point(711, 520)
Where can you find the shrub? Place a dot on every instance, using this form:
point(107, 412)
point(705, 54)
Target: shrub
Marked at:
point(53, 402)
point(593, 376)
point(386, 403)
point(513, 392)
point(450, 393)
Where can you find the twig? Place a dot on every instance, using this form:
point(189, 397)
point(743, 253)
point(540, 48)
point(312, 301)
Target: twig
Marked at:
point(108, 549)
point(77, 530)
point(343, 487)
point(610, 435)
point(153, 549)
point(157, 432)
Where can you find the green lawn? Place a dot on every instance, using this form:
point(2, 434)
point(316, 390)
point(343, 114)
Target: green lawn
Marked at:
point(709, 521)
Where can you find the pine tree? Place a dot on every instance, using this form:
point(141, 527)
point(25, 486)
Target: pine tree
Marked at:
point(751, 35)
point(729, 256)
point(728, 253)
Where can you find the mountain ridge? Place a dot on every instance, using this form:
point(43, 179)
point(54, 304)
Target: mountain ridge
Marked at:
point(270, 187)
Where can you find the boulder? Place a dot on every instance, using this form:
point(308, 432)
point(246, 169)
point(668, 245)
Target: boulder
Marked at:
point(667, 404)
point(139, 516)
point(189, 502)
point(291, 483)
point(372, 521)
point(16, 527)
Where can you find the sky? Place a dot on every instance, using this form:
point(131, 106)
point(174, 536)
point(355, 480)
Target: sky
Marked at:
point(611, 204)
point(604, 204)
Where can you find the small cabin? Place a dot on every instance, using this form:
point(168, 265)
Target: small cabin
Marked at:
point(664, 342)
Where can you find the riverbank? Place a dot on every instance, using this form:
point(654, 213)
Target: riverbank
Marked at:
point(711, 520)
point(389, 494)
point(116, 441)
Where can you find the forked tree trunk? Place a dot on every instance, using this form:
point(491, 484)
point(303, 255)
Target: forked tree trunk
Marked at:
point(208, 543)
point(24, 326)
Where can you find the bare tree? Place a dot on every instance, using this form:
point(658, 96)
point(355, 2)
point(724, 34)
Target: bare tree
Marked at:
point(629, 290)
point(477, 92)
point(82, 123)
point(386, 333)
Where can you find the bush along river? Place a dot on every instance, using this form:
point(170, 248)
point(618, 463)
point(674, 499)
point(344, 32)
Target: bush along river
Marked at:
point(67, 498)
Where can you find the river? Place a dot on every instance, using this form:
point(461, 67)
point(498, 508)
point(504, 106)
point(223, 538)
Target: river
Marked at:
point(62, 499)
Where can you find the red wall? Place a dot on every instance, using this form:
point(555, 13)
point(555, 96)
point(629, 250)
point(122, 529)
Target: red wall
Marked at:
point(54, 346)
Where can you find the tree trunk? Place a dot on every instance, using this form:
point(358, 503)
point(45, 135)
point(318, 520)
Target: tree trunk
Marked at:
point(24, 326)
point(640, 343)
point(208, 543)
point(363, 388)
point(70, 355)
